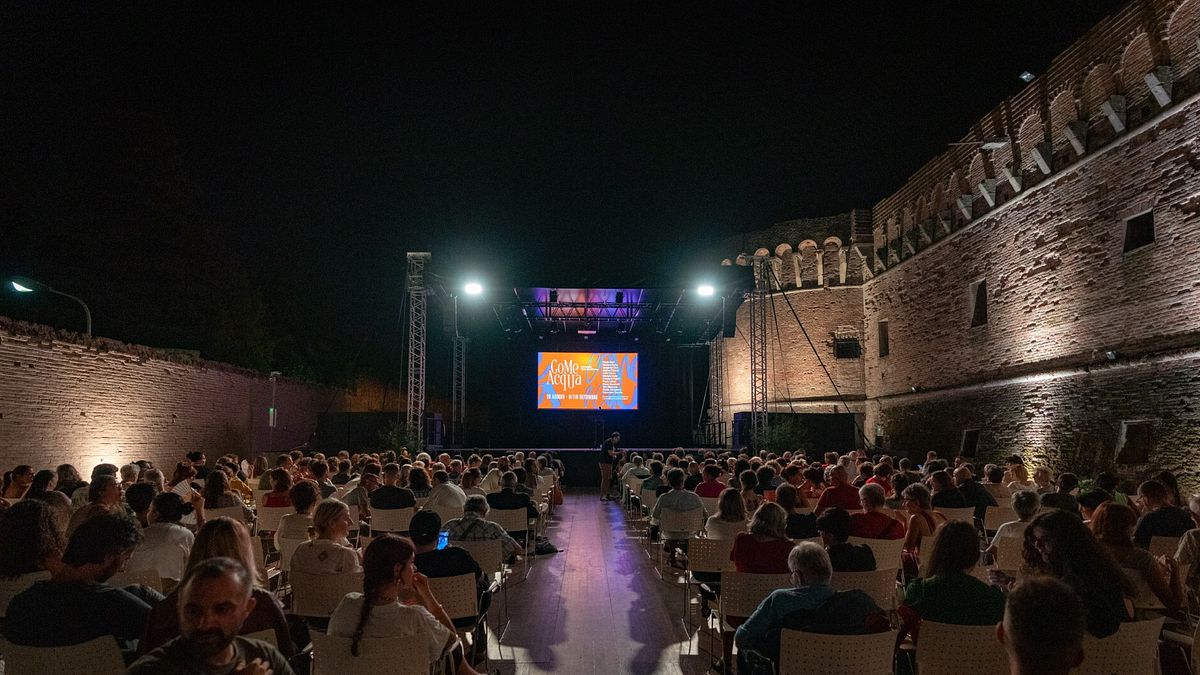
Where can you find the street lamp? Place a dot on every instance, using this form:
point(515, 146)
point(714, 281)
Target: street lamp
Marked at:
point(27, 285)
point(473, 288)
point(705, 289)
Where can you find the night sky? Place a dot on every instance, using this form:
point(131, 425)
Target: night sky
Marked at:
point(245, 180)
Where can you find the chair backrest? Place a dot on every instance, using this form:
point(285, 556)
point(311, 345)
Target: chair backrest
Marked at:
point(1167, 546)
point(512, 520)
point(447, 513)
point(489, 553)
point(457, 595)
point(741, 592)
point(887, 552)
point(95, 657)
point(9, 588)
point(391, 520)
point(649, 497)
point(268, 636)
point(1008, 552)
point(317, 595)
point(420, 502)
point(801, 652)
point(710, 504)
point(376, 656)
point(259, 495)
point(709, 555)
point(234, 512)
point(690, 521)
point(269, 517)
point(1132, 650)
point(966, 515)
point(136, 578)
point(880, 585)
point(288, 546)
point(634, 483)
point(946, 649)
point(995, 516)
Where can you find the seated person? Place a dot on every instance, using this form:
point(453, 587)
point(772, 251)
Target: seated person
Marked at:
point(360, 495)
point(1159, 517)
point(710, 486)
point(76, 605)
point(165, 544)
point(320, 474)
point(834, 526)
point(764, 549)
point(32, 533)
point(304, 496)
point(946, 591)
point(730, 518)
point(694, 477)
point(390, 495)
point(418, 482)
point(1061, 497)
point(945, 494)
point(811, 605)
point(840, 493)
point(799, 525)
point(508, 498)
point(397, 602)
point(994, 483)
point(103, 495)
point(1026, 503)
point(218, 495)
point(215, 600)
point(474, 526)
point(1158, 577)
point(139, 496)
point(1041, 642)
point(449, 562)
point(973, 493)
point(281, 483)
point(328, 551)
point(875, 522)
point(679, 500)
point(445, 495)
point(470, 481)
point(343, 473)
point(221, 538)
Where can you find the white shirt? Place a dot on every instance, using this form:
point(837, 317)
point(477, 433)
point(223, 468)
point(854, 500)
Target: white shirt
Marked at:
point(293, 526)
point(491, 482)
point(164, 549)
point(424, 636)
point(447, 495)
point(716, 528)
point(322, 556)
point(1010, 530)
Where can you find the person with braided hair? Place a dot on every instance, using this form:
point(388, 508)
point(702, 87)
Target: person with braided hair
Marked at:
point(397, 602)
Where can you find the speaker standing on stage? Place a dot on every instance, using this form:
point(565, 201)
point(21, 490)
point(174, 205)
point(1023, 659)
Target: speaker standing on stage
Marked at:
point(608, 457)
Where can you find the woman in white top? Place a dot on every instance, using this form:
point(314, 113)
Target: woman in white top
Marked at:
point(165, 544)
point(397, 602)
point(730, 518)
point(304, 495)
point(1021, 479)
point(470, 483)
point(329, 552)
point(1026, 503)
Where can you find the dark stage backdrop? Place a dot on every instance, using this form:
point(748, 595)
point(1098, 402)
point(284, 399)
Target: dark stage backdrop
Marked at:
point(502, 390)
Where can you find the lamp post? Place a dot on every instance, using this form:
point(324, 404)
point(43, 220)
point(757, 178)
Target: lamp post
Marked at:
point(26, 285)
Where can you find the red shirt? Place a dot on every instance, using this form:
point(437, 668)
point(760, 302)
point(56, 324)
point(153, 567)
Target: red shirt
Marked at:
point(274, 499)
point(710, 489)
point(760, 557)
point(881, 482)
point(875, 525)
point(838, 496)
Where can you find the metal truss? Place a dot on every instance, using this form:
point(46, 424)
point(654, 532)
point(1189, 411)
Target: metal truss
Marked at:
point(459, 393)
point(759, 298)
point(417, 320)
point(716, 385)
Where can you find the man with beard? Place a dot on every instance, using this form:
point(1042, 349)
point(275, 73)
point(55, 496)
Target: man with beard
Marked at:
point(214, 601)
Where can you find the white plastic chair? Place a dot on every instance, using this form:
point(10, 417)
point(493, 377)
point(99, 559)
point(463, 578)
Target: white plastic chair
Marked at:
point(233, 512)
point(945, 649)
point(966, 515)
point(459, 598)
point(705, 555)
point(95, 657)
point(391, 520)
point(995, 516)
point(887, 552)
point(317, 595)
point(870, 654)
point(269, 517)
point(880, 585)
point(287, 547)
point(1132, 650)
point(670, 520)
point(447, 513)
point(10, 588)
point(376, 656)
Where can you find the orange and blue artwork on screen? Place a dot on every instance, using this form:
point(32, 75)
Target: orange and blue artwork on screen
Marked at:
point(587, 381)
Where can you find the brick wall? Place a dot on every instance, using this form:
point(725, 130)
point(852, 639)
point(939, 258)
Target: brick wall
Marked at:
point(64, 398)
point(794, 373)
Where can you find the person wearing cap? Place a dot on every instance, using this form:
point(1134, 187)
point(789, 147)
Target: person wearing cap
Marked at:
point(449, 562)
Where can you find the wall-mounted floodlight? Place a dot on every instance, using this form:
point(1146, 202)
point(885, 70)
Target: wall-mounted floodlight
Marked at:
point(473, 288)
point(705, 290)
point(20, 288)
point(1026, 76)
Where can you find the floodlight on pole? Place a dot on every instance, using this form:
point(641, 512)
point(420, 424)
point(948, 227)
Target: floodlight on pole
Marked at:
point(27, 285)
point(473, 288)
point(705, 290)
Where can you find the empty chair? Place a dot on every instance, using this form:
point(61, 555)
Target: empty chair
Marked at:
point(317, 595)
point(95, 657)
point(946, 649)
point(1132, 650)
point(880, 585)
point(9, 588)
point(870, 654)
point(376, 656)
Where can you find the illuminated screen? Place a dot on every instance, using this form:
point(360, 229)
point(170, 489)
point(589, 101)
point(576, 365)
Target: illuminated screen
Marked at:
point(587, 381)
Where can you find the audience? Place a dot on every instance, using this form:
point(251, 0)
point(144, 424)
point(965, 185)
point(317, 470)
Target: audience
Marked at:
point(799, 525)
point(16, 482)
point(710, 486)
point(1026, 504)
point(445, 495)
point(391, 495)
point(508, 498)
point(945, 494)
point(730, 518)
point(104, 496)
point(360, 495)
point(449, 562)
point(139, 497)
point(69, 479)
point(994, 484)
point(1113, 526)
point(281, 485)
point(75, 605)
point(811, 603)
point(474, 526)
point(418, 482)
point(33, 536)
point(1062, 497)
point(218, 495)
point(221, 538)
point(215, 601)
point(922, 522)
point(396, 602)
point(1159, 517)
point(748, 481)
point(304, 496)
point(328, 550)
point(840, 493)
point(834, 526)
point(946, 591)
point(678, 499)
point(1041, 642)
point(165, 544)
point(973, 493)
point(764, 549)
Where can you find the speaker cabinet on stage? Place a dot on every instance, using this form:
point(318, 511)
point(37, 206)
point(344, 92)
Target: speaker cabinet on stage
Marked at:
point(729, 319)
point(741, 429)
point(433, 428)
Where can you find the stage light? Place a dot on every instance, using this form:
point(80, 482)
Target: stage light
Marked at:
point(473, 288)
point(705, 290)
point(21, 289)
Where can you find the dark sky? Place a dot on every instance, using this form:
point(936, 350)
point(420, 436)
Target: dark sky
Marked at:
point(173, 161)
